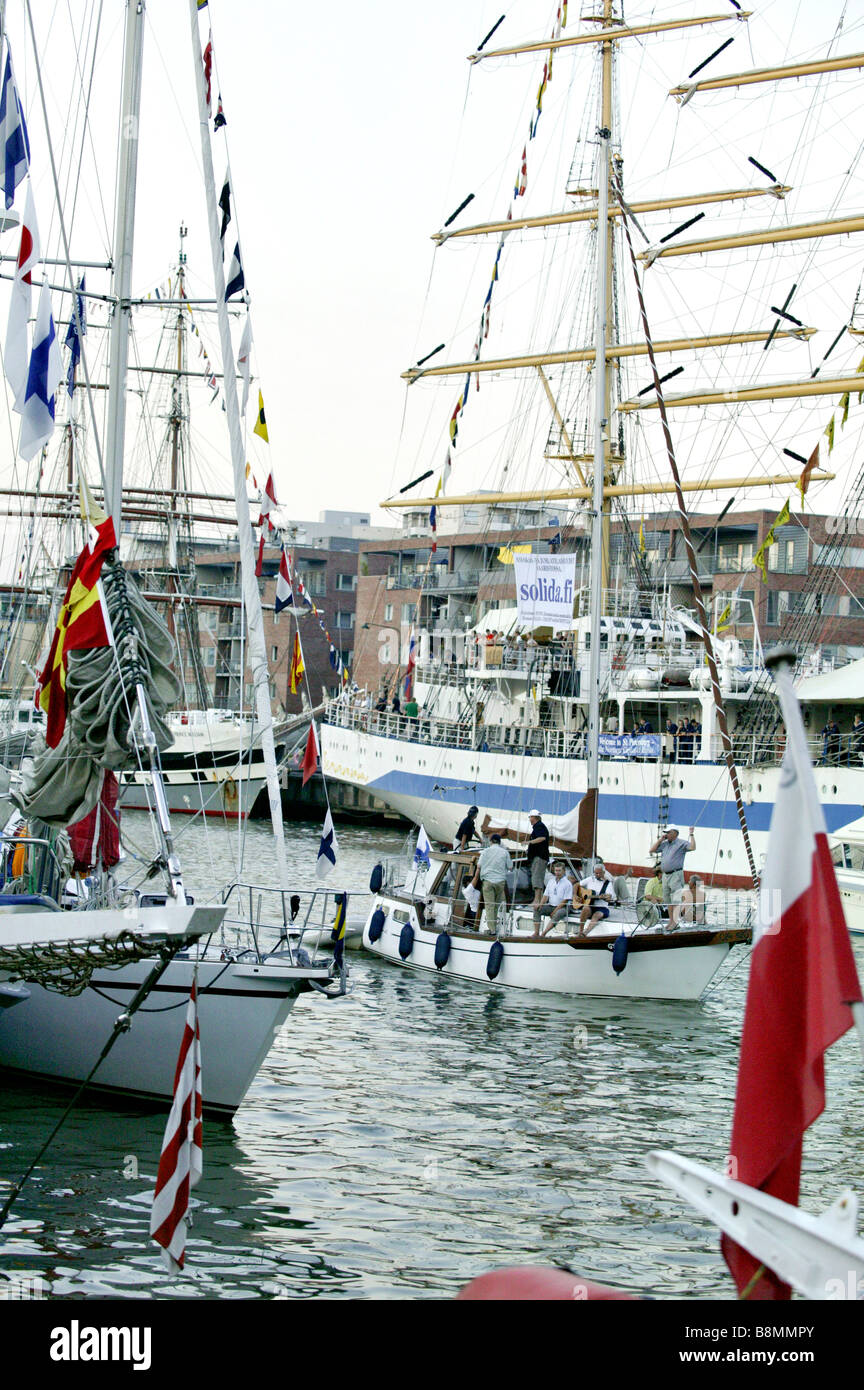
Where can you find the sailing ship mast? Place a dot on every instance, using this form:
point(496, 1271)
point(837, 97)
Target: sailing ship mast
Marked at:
point(257, 651)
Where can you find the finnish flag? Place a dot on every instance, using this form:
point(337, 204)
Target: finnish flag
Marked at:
point(423, 850)
point(328, 848)
point(14, 142)
point(43, 378)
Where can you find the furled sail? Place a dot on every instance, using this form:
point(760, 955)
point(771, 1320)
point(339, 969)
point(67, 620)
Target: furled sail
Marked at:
point(102, 687)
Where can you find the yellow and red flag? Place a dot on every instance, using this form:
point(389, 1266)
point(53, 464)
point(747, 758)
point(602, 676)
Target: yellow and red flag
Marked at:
point(82, 624)
point(297, 667)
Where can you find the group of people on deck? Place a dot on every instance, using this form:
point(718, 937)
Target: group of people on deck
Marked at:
point(556, 890)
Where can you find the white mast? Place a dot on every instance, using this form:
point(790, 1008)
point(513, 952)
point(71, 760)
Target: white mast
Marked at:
point(121, 287)
point(600, 426)
point(251, 598)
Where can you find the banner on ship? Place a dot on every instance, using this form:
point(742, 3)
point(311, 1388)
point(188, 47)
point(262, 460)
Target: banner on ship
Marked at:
point(545, 587)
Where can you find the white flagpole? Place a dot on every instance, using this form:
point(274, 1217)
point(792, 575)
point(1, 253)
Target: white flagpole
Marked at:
point(251, 598)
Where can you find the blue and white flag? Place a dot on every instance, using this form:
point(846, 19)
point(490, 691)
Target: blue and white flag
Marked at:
point(14, 142)
point(43, 378)
point(73, 339)
point(328, 848)
point(423, 849)
point(236, 278)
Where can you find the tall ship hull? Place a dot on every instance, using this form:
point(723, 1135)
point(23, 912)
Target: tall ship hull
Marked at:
point(433, 785)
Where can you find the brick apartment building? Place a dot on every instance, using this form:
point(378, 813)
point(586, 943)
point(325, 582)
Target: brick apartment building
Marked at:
point(807, 573)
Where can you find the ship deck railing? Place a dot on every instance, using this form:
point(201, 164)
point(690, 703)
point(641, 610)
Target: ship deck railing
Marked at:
point(262, 919)
point(434, 731)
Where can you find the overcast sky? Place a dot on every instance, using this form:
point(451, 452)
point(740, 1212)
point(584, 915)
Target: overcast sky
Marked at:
point(352, 134)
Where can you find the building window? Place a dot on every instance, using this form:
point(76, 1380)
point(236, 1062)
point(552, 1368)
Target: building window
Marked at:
point(346, 582)
point(343, 619)
point(409, 612)
point(274, 653)
point(388, 612)
point(276, 617)
point(209, 656)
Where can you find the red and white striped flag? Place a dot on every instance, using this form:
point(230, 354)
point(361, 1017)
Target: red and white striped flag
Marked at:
point(181, 1161)
point(802, 985)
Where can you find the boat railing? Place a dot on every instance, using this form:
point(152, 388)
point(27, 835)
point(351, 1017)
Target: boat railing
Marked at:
point(262, 920)
point(31, 867)
point(754, 749)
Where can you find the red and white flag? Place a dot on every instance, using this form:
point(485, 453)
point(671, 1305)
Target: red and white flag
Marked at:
point(802, 984)
point(268, 501)
point(16, 359)
point(181, 1162)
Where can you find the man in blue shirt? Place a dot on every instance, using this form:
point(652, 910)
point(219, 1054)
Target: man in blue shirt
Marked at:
point(672, 851)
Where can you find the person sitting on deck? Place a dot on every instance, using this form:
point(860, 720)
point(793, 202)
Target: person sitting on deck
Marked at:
point(556, 901)
point(599, 892)
point(650, 909)
point(693, 900)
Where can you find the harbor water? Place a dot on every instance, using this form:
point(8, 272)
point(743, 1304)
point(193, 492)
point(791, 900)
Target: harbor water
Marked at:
point(412, 1135)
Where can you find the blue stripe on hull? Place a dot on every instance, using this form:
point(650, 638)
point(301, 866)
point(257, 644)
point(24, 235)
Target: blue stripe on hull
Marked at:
point(716, 814)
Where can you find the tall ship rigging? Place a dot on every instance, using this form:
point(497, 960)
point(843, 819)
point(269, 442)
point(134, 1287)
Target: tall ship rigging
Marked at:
point(755, 312)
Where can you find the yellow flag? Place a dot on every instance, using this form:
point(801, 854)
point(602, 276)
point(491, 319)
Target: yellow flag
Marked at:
point(261, 422)
point(506, 553)
point(642, 546)
point(829, 433)
point(844, 401)
point(723, 620)
point(780, 520)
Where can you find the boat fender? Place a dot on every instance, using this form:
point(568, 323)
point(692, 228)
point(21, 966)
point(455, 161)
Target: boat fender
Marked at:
point(619, 954)
point(442, 949)
point(376, 924)
point(496, 955)
point(406, 941)
point(376, 881)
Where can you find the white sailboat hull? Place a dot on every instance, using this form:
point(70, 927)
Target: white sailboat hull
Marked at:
point(242, 1006)
point(207, 791)
point(676, 972)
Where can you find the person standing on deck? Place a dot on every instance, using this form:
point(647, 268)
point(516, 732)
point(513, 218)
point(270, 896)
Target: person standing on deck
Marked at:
point(538, 856)
point(467, 830)
point(493, 866)
point(672, 851)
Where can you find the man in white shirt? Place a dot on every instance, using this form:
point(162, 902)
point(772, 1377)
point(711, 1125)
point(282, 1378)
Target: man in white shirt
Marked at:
point(556, 901)
point(493, 866)
point(599, 891)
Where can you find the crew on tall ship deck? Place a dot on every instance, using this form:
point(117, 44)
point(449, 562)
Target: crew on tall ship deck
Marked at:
point(672, 851)
point(467, 830)
point(538, 856)
point(556, 901)
point(830, 743)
